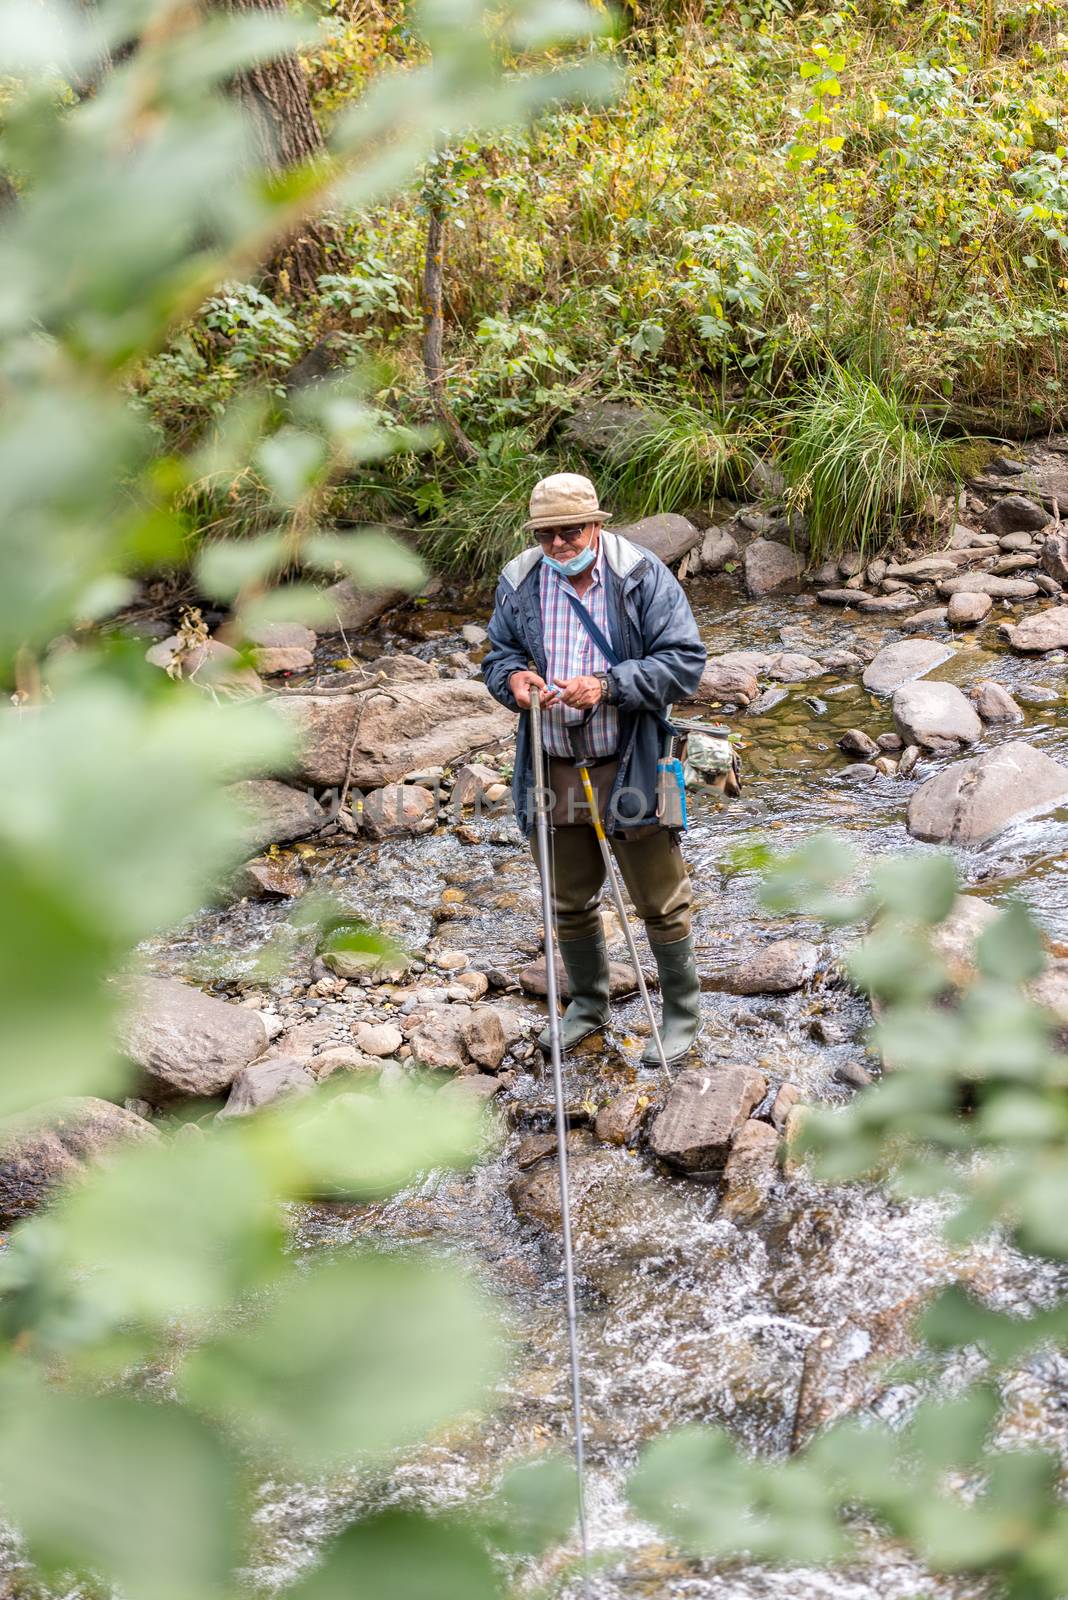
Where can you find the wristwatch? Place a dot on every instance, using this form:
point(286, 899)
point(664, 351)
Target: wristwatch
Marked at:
point(607, 688)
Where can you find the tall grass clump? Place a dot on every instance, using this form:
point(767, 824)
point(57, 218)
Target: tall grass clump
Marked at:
point(860, 461)
point(687, 456)
point(478, 523)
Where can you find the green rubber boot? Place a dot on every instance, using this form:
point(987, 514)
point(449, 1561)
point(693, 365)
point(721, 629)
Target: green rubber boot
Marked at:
point(680, 992)
point(586, 964)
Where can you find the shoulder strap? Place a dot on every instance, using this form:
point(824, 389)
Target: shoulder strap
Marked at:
point(605, 647)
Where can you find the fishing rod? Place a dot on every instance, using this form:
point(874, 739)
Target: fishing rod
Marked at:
point(541, 803)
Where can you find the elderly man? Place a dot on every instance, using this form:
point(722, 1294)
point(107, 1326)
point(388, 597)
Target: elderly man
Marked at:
point(608, 714)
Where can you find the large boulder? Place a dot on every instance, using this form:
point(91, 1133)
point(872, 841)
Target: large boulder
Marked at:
point(703, 1112)
point(975, 799)
point(769, 566)
point(187, 1042)
point(1045, 630)
point(77, 1132)
point(667, 535)
point(277, 812)
point(404, 727)
point(353, 609)
point(1055, 556)
point(899, 663)
point(723, 682)
point(989, 583)
point(936, 716)
point(608, 428)
point(1015, 513)
point(719, 547)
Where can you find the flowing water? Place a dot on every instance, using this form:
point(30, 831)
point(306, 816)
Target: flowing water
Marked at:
point(766, 1328)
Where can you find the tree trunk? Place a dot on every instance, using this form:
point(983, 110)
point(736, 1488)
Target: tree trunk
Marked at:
point(433, 327)
point(274, 95)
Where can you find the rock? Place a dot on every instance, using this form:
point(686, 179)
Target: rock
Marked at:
point(1016, 543)
point(769, 566)
point(353, 609)
point(973, 800)
point(472, 782)
point(781, 966)
point(907, 763)
point(842, 661)
point(1037, 694)
point(272, 659)
point(888, 604)
point(902, 662)
point(703, 1112)
point(751, 1169)
point(266, 1081)
point(211, 665)
point(268, 875)
point(719, 548)
point(925, 568)
point(989, 583)
point(855, 742)
point(826, 575)
point(1048, 585)
point(791, 667)
point(1006, 565)
point(936, 716)
point(608, 428)
point(328, 1062)
point(994, 703)
point(923, 621)
point(787, 1097)
point(474, 984)
point(75, 1134)
point(281, 636)
point(377, 1038)
point(1050, 990)
point(666, 535)
point(185, 1041)
point(437, 1039)
point(1055, 557)
point(531, 1149)
point(1015, 513)
point(768, 701)
point(954, 940)
point(890, 743)
point(858, 772)
point(725, 683)
point(840, 597)
point(477, 1086)
point(535, 1194)
point(473, 634)
point(620, 1119)
point(401, 668)
point(1045, 630)
point(850, 563)
point(621, 979)
point(399, 808)
point(755, 661)
point(853, 1074)
point(876, 571)
point(966, 610)
point(483, 1037)
point(277, 812)
point(402, 727)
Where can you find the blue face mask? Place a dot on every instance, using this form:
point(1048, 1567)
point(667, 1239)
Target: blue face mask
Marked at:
point(576, 564)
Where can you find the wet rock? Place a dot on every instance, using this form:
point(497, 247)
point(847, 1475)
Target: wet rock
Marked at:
point(1055, 556)
point(924, 569)
point(900, 663)
point(787, 1096)
point(853, 1074)
point(1048, 585)
point(277, 812)
point(841, 597)
point(535, 1194)
point(399, 808)
point(477, 1086)
point(265, 876)
point(768, 701)
point(967, 610)
point(377, 1038)
point(889, 604)
point(994, 703)
point(473, 634)
point(726, 683)
point(780, 967)
point(909, 757)
point(936, 716)
point(472, 783)
point(668, 536)
point(890, 743)
point(1015, 513)
point(989, 583)
point(618, 1122)
point(885, 766)
point(855, 742)
point(533, 1148)
point(1050, 990)
point(858, 772)
point(954, 940)
point(791, 667)
point(1045, 630)
point(185, 1041)
point(924, 621)
point(719, 548)
point(842, 661)
point(975, 799)
point(76, 1133)
point(264, 1083)
point(1037, 694)
point(484, 1038)
point(770, 566)
point(703, 1112)
point(401, 727)
point(751, 1169)
point(621, 979)
point(1007, 565)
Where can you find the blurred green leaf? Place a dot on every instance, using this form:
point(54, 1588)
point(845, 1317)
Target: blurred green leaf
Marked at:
point(920, 888)
point(1011, 948)
point(401, 1555)
point(373, 560)
point(535, 1506)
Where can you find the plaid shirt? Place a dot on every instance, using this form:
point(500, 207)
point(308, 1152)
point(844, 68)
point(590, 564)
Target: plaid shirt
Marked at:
point(571, 653)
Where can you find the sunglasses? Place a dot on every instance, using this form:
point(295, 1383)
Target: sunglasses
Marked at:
point(568, 535)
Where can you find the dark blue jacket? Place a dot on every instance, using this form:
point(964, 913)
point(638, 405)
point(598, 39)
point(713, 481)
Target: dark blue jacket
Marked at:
point(661, 659)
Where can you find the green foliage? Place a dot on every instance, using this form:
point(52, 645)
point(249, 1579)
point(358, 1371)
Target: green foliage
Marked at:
point(988, 1045)
point(483, 507)
point(860, 461)
point(688, 456)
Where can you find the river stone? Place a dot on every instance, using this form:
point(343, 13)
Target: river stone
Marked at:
point(1050, 990)
point(780, 967)
point(966, 610)
point(989, 583)
point(621, 979)
point(932, 617)
point(723, 682)
point(471, 782)
point(398, 809)
point(666, 535)
point(211, 665)
point(484, 1038)
point(902, 662)
point(264, 876)
point(437, 1038)
point(889, 604)
point(186, 1042)
point(535, 1194)
point(924, 568)
point(751, 1169)
point(265, 1082)
point(343, 1059)
point(1045, 630)
point(476, 1086)
point(377, 1038)
point(1015, 513)
point(281, 636)
point(350, 610)
point(74, 1134)
point(270, 660)
point(791, 667)
point(1055, 556)
point(620, 1119)
point(936, 716)
point(955, 939)
point(718, 549)
point(768, 700)
point(994, 703)
point(770, 566)
point(703, 1112)
point(277, 812)
point(855, 742)
point(786, 1098)
point(840, 597)
point(973, 800)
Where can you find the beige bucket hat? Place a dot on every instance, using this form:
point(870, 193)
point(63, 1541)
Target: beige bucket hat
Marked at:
point(565, 498)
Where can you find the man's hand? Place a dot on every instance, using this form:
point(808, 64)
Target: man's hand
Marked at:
point(580, 693)
point(521, 683)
